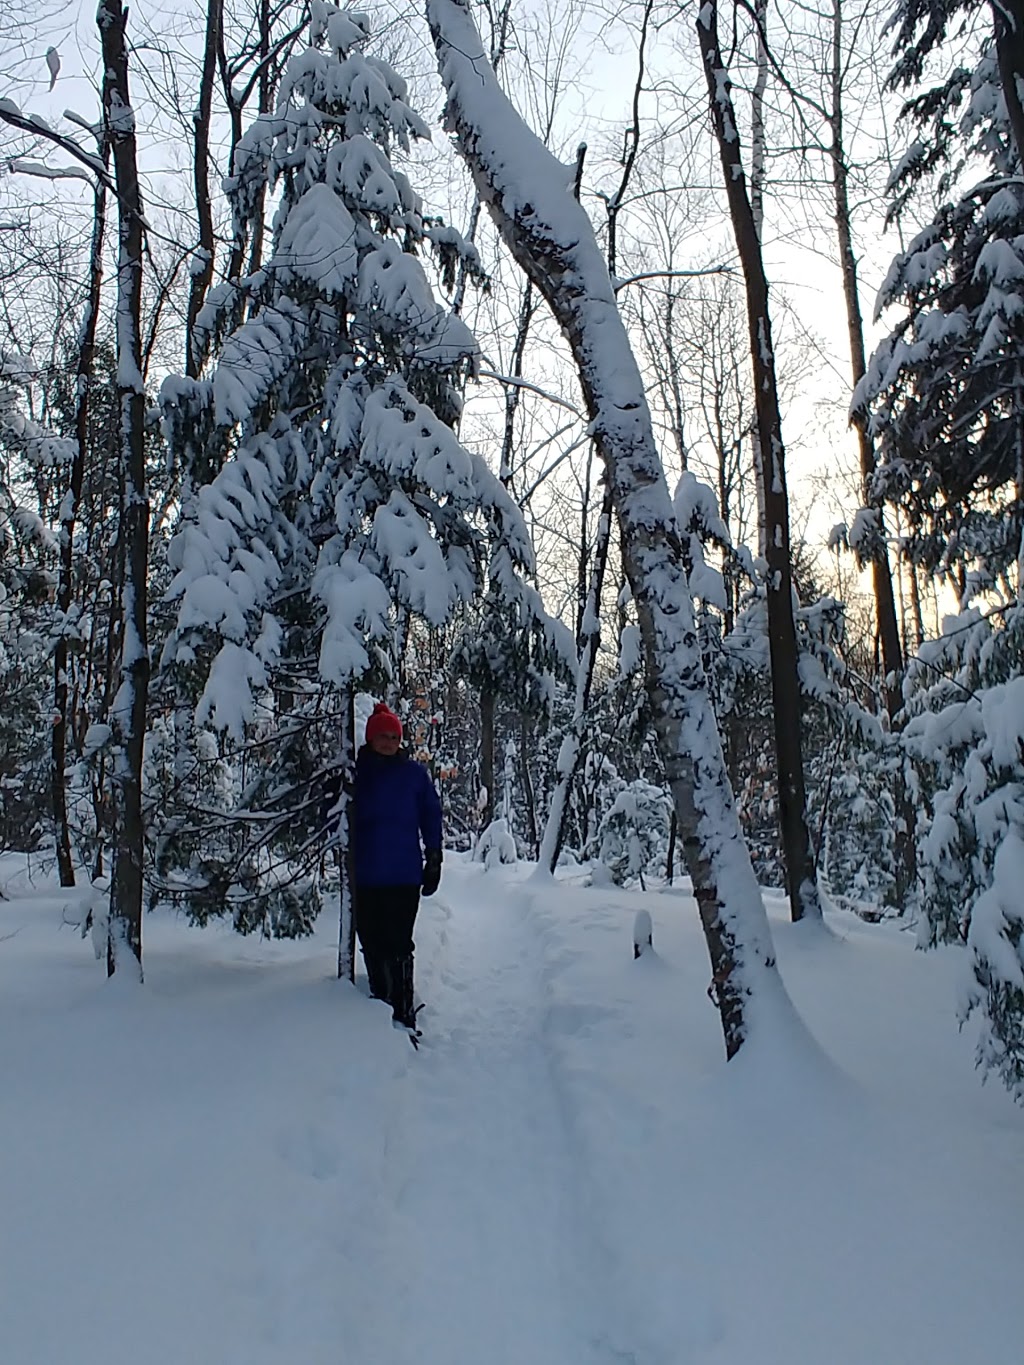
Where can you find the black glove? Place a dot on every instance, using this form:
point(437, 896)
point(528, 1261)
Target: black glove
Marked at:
point(431, 871)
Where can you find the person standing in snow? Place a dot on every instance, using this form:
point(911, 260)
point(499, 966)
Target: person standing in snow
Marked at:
point(396, 818)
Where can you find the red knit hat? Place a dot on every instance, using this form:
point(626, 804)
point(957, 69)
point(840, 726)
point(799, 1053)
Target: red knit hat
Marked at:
point(383, 722)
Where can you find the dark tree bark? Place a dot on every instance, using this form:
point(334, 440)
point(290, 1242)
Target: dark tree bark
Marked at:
point(202, 269)
point(885, 601)
point(487, 755)
point(514, 392)
point(886, 621)
point(796, 843)
point(571, 753)
point(1008, 23)
point(68, 520)
point(526, 777)
point(128, 713)
point(343, 844)
point(256, 67)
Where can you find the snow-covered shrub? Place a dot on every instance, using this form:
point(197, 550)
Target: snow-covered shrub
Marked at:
point(942, 396)
point(632, 840)
point(26, 623)
point(966, 736)
point(25, 689)
point(996, 942)
point(496, 845)
point(966, 703)
point(858, 859)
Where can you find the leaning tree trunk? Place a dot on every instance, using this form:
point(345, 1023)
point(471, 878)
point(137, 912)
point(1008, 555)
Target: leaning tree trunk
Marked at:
point(128, 713)
point(796, 843)
point(529, 195)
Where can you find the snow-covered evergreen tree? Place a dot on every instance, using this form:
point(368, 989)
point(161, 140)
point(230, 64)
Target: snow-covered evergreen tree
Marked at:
point(966, 735)
point(632, 840)
point(944, 396)
point(944, 392)
point(331, 498)
point(29, 452)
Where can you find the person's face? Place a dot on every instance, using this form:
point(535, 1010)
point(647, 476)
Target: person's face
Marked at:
point(386, 744)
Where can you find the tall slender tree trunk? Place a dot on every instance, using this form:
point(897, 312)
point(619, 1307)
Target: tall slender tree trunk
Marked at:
point(266, 88)
point(571, 752)
point(128, 712)
point(513, 395)
point(526, 778)
point(786, 703)
point(885, 601)
point(346, 867)
point(513, 392)
point(530, 198)
point(202, 263)
point(487, 778)
point(887, 624)
point(1008, 24)
point(758, 167)
point(583, 557)
point(68, 519)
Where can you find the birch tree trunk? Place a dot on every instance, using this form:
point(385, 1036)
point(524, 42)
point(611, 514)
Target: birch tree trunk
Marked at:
point(128, 713)
point(529, 195)
point(796, 844)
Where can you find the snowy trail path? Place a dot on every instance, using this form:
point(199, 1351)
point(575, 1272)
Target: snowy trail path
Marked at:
point(476, 1246)
point(244, 1164)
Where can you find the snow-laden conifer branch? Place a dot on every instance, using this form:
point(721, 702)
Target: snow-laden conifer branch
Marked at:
point(331, 502)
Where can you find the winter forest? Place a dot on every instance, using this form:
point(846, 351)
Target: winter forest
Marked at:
point(631, 395)
point(498, 397)
point(324, 379)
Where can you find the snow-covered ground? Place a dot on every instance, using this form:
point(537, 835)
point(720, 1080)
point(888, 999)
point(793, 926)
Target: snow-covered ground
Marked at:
point(241, 1162)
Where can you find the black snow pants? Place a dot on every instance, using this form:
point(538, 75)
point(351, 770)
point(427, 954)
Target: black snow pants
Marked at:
point(385, 916)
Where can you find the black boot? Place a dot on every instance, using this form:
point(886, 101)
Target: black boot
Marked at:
point(404, 1011)
point(378, 973)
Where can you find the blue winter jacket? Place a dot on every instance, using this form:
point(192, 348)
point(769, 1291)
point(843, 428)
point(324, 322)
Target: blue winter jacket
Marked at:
point(395, 807)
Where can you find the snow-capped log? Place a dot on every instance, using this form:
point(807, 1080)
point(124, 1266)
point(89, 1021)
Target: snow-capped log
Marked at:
point(529, 195)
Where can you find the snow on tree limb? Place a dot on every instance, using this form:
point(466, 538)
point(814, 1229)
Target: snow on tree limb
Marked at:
point(530, 195)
